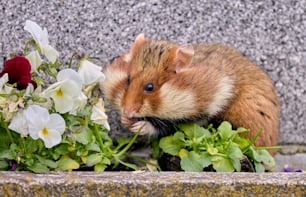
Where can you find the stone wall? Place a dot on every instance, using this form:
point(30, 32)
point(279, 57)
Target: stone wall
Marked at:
point(143, 184)
point(271, 33)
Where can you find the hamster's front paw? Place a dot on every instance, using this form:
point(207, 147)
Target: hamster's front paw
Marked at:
point(134, 125)
point(145, 127)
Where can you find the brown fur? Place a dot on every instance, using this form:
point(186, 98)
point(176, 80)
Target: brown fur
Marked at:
point(212, 81)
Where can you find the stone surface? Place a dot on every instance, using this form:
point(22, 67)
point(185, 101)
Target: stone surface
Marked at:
point(293, 156)
point(295, 161)
point(152, 184)
point(271, 33)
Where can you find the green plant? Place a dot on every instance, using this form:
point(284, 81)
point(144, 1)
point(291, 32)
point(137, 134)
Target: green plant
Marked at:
point(52, 118)
point(222, 148)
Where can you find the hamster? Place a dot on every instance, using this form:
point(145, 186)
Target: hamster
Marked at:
point(159, 84)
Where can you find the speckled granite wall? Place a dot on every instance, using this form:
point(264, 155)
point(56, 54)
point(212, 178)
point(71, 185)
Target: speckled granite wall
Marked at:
point(271, 33)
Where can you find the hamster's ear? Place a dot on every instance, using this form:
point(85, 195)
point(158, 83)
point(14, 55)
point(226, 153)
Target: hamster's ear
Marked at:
point(140, 39)
point(183, 57)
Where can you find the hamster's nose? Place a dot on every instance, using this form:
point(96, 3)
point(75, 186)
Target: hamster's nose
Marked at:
point(132, 110)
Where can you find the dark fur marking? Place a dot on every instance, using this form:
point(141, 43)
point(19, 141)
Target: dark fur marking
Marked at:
point(263, 114)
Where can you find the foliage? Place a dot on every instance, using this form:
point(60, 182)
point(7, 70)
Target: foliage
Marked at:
point(222, 148)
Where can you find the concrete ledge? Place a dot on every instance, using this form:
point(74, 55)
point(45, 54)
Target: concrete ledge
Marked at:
point(152, 184)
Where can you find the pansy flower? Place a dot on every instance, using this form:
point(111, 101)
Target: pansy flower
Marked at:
point(41, 124)
point(41, 38)
point(19, 72)
point(89, 72)
point(98, 115)
point(66, 92)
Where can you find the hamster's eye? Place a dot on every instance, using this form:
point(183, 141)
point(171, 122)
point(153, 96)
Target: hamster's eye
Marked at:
point(149, 87)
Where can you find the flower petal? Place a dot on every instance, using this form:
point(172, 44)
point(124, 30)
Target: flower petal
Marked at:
point(18, 69)
point(19, 124)
point(39, 35)
point(37, 117)
point(79, 103)
point(35, 60)
point(70, 74)
point(57, 123)
point(98, 115)
point(51, 54)
point(51, 139)
point(90, 72)
point(63, 103)
point(3, 80)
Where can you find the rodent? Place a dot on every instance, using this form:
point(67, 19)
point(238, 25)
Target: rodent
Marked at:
point(160, 83)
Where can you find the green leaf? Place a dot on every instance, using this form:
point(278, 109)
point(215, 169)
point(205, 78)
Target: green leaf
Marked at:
point(235, 152)
point(93, 147)
point(259, 167)
point(123, 141)
point(266, 157)
point(67, 164)
point(106, 161)
point(170, 146)
point(38, 168)
point(205, 159)
point(243, 143)
point(31, 145)
point(105, 136)
point(156, 149)
point(204, 133)
point(49, 163)
point(225, 130)
point(94, 159)
point(237, 164)
point(252, 153)
point(179, 136)
point(212, 150)
point(222, 164)
point(8, 154)
point(3, 165)
point(61, 149)
point(192, 162)
point(183, 153)
point(100, 167)
point(188, 129)
point(84, 136)
point(192, 130)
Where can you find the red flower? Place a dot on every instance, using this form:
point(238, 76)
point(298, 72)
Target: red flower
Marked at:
point(19, 72)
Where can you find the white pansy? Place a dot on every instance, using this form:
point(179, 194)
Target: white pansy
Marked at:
point(79, 103)
point(41, 38)
point(19, 124)
point(90, 72)
point(41, 124)
point(66, 92)
point(98, 115)
point(35, 60)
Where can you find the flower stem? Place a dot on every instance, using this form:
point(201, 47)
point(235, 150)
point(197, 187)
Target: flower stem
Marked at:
point(118, 155)
point(9, 134)
point(96, 132)
point(269, 148)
